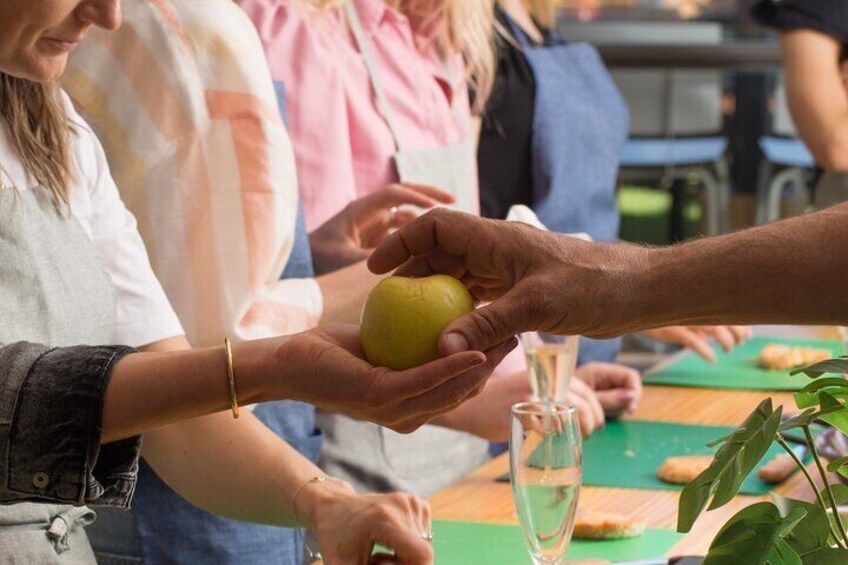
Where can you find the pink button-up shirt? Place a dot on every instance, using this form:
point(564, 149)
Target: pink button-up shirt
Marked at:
point(343, 146)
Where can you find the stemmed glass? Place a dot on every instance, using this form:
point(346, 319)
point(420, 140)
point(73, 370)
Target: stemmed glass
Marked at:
point(551, 360)
point(545, 462)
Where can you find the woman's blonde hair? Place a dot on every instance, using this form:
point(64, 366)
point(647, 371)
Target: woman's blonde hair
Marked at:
point(468, 28)
point(40, 131)
point(543, 11)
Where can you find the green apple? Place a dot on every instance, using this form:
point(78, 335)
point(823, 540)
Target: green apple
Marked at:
point(403, 318)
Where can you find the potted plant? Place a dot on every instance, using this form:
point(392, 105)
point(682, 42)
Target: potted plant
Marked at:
point(783, 531)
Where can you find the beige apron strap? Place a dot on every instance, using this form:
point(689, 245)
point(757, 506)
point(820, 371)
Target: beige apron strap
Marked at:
point(370, 66)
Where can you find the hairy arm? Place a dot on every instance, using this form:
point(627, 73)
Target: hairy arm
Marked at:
point(792, 271)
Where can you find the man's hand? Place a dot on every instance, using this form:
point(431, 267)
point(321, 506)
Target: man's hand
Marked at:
point(696, 338)
point(348, 526)
point(538, 280)
point(349, 236)
point(787, 272)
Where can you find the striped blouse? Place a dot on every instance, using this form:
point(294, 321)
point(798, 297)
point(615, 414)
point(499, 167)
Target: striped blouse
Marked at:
point(184, 105)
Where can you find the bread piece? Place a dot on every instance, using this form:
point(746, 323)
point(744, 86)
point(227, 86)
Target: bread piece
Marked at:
point(778, 357)
point(605, 525)
point(683, 469)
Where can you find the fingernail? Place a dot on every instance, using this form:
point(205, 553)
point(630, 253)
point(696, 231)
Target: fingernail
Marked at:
point(477, 361)
point(455, 343)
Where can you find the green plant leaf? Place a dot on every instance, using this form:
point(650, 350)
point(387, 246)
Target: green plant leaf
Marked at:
point(833, 412)
point(757, 536)
point(836, 382)
point(805, 418)
point(837, 464)
point(808, 396)
point(840, 493)
point(740, 453)
point(816, 370)
point(811, 533)
point(826, 556)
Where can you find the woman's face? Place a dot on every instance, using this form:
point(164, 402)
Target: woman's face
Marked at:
point(36, 36)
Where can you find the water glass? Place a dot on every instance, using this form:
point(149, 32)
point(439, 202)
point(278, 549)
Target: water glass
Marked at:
point(551, 361)
point(545, 462)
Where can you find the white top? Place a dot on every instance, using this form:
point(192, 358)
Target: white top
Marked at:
point(143, 314)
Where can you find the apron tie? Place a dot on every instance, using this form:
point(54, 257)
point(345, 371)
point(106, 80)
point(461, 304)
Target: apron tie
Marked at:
point(65, 523)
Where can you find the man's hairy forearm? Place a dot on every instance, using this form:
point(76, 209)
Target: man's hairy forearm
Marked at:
point(792, 272)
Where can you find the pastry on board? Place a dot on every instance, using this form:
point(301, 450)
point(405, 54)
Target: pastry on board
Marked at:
point(779, 357)
point(683, 469)
point(606, 525)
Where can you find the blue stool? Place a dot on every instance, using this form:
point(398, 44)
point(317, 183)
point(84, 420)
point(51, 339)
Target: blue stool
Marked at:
point(793, 155)
point(687, 158)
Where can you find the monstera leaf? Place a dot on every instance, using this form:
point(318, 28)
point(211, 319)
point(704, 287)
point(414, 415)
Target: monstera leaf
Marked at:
point(734, 461)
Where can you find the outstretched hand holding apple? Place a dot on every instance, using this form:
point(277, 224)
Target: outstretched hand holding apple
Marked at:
point(333, 373)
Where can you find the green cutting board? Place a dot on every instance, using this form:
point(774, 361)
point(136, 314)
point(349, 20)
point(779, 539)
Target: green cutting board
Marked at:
point(467, 543)
point(737, 369)
point(627, 454)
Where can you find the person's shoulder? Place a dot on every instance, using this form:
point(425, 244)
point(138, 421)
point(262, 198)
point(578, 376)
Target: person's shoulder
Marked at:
point(298, 36)
point(87, 154)
point(300, 20)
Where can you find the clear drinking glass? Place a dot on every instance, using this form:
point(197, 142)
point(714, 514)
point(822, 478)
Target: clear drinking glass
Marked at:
point(551, 360)
point(545, 463)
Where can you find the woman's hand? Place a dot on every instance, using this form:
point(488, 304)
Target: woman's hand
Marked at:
point(488, 415)
point(349, 236)
point(618, 388)
point(348, 526)
point(696, 338)
point(327, 367)
point(590, 413)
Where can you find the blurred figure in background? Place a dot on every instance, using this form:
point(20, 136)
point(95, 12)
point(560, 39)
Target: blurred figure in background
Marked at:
point(378, 93)
point(550, 139)
point(814, 42)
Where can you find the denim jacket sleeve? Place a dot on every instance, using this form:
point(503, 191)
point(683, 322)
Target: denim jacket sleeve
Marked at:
point(51, 417)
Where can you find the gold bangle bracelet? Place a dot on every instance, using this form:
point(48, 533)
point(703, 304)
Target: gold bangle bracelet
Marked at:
point(228, 349)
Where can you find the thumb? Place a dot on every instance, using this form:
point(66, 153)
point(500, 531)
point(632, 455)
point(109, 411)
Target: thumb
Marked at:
point(488, 325)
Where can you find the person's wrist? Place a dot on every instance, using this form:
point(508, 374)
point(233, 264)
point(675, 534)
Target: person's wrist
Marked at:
point(648, 302)
point(630, 286)
point(318, 500)
point(263, 370)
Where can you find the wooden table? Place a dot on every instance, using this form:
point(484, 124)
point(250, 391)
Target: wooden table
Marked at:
point(478, 498)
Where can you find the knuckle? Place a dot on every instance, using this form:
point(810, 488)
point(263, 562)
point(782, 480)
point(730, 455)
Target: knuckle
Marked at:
point(383, 512)
point(488, 322)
